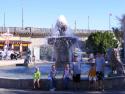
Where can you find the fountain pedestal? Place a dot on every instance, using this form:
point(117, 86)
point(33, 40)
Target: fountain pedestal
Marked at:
point(63, 49)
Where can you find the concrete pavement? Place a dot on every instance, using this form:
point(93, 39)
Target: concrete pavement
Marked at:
point(16, 91)
point(19, 61)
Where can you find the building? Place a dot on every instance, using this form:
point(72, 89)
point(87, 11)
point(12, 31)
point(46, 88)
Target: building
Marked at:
point(34, 38)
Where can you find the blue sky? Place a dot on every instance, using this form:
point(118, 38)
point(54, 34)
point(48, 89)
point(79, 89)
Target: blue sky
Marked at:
point(43, 13)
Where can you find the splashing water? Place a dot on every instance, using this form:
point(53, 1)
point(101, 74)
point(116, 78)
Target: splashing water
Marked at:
point(63, 42)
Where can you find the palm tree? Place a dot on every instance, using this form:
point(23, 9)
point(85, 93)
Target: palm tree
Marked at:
point(118, 34)
point(123, 29)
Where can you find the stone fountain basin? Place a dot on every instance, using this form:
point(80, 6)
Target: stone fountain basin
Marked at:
point(20, 77)
point(112, 83)
point(22, 72)
point(52, 40)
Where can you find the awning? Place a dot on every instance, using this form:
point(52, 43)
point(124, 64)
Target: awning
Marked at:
point(15, 42)
point(16, 45)
point(24, 44)
point(1, 45)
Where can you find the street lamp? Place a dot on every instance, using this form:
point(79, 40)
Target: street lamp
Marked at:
point(88, 23)
point(110, 14)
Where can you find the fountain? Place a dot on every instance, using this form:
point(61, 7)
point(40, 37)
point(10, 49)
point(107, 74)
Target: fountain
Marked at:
point(63, 42)
point(65, 46)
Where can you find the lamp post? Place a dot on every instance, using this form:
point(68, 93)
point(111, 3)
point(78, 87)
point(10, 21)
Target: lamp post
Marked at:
point(88, 24)
point(110, 14)
point(4, 21)
point(75, 27)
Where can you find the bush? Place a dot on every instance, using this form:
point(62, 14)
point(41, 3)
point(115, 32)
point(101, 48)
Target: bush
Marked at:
point(101, 41)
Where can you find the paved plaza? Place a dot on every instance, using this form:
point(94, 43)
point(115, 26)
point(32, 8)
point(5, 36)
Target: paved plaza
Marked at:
point(19, 61)
point(14, 91)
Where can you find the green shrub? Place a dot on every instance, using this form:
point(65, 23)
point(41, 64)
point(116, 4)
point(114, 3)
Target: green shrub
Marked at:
point(101, 41)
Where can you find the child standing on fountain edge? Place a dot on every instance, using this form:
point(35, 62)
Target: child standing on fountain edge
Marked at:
point(92, 76)
point(67, 76)
point(52, 78)
point(36, 78)
point(76, 72)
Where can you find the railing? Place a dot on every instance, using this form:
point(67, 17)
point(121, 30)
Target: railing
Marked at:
point(47, 30)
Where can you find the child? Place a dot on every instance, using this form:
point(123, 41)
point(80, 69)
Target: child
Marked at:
point(76, 69)
point(91, 58)
point(52, 78)
point(66, 76)
point(36, 78)
point(92, 76)
point(100, 65)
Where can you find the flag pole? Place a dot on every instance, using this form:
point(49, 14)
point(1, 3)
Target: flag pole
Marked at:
point(4, 21)
point(75, 26)
point(110, 21)
point(22, 20)
point(88, 23)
